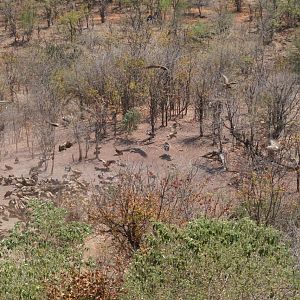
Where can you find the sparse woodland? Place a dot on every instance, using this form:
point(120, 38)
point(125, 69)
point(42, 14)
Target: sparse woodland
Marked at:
point(149, 149)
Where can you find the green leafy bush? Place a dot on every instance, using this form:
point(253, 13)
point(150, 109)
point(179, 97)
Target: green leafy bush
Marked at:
point(39, 251)
point(288, 12)
point(295, 53)
point(211, 259)
point(69, 23)
point(201, 30)
point(131, 120)
point(28, 19)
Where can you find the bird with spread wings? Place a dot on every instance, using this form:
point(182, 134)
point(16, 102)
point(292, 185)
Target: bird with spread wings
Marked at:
point(227, 83)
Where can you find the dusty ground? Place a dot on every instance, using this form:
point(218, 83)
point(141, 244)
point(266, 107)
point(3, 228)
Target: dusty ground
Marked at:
point(186, 151)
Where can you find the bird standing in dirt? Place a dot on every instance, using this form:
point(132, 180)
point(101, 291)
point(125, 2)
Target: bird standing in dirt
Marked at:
point(150, 138)
point(7, 194)
point(107, 163)
point(66, 121)
point(118, 152)
point(175, 125)
point(8, 168)
point(166, 155)
point(68, 168)
point(166, 146)
point(61, 148)
point(172, 134)
point(150, 133)
point(69, 144)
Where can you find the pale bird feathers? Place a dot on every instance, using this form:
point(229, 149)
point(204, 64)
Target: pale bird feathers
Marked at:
point(166, 146)
point(274, 145)
point(53, 124)
point(227, 82)
point(107, 163)
point(225, 78)
point(172, 134)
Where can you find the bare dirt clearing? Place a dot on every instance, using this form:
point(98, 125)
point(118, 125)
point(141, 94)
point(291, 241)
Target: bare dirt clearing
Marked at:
point(186, 151)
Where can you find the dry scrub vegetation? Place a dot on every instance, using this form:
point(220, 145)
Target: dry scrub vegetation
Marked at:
point(168, 131)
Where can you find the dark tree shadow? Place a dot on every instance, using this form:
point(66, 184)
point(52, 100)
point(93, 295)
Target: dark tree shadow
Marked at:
point(190, 140)
point(209, 170)
point(124, 141)
point(195, 141)
point(166, 157)
point(102, 169)
point(139, 151)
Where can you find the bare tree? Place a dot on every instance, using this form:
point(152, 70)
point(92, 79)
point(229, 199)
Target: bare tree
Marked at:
point(263, 195)
point(200, 4)
point(238, 5)
point(103, 9)
point(282, 102)
point(265, 20)
point(203, 86)
point(10, 12)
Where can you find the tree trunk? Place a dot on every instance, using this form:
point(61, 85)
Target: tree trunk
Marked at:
point(97, 137)
point(114, 121)
point(52, 160)
point(79, 151)
point(87, 147)
point(166, 117)
point(77, 136)
point(152, 113)
point(201, 117)
point(163, 115)
point(48, 16)
point(298, 181)
point(238, 5)
point(102, 10)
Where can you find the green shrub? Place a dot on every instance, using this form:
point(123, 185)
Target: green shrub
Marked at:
point(28, 19)
point(201, 30)
point(295, 54)
point(69, 23)
point(131, 120)
point(38, 251)
point(210, 259)
point(288, 12)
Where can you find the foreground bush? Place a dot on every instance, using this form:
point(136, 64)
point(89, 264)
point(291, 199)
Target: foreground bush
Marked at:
point(126, 209)
point(211, 259)
point(38, 251)
point(87, 285)
point(295, 53)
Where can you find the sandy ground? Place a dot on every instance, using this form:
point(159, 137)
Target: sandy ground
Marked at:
point(186, 151)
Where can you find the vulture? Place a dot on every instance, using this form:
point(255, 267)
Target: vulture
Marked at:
point(118, 152)
point(274, 145)
point(166, 146)
point(107, 163)
point(227, 83)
